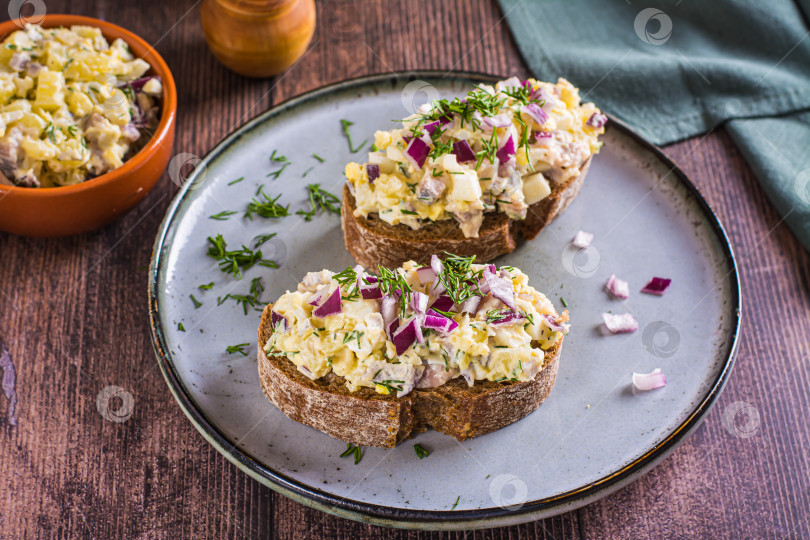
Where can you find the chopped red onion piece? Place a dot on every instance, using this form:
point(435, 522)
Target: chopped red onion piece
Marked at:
point(657, 285)
point(278, 322)
point(437, 321)
point(437, 288)
point(417, 153)
point(317, 298)
point(507, 150)
point(391, 327)
point(597, 120)
point(368, 287)
point(511, 82)
point(501, 288)
point(536, 113)
point(510, 318)
point(419, 301)
point(330, 306)
point(554, 325)
point(388, 309)
point(649, 381)
point(498, 121)
point(542, 135)
point(470, 305)
point(406, 335)
point(582, 239)
point(431, 127)
point(373, 172)
point(617, 287)
point(540, 94)
point(437, 264)
point(443, 303)
point(620, 324)
point(463, 152)
point(425, 274)
point(137, 84)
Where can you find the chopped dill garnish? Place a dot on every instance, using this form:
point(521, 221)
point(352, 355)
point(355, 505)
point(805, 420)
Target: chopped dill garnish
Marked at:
point(275, 174)
point(319, 158)
point(278, 158)
point(222, 216)
point(206, 286)
point(197, 303)
point(456, 504)
point(232, 261)
point(236, 181)
point(563, 302)
point(267, 208)
point(420, 451)
point(346, 124)
point(247, 301)
point(262, 238)
point(180, 327)
point(320, 199)
point(240, 349)
point(356, 451)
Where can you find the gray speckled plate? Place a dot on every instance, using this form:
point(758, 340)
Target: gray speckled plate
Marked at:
point(593, 434)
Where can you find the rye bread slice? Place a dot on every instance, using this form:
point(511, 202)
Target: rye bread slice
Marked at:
point(373, 242)
point(367, 418)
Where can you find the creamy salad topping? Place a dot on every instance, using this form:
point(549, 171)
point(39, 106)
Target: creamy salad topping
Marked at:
point(494, 151)
point(416, 326)
point(72, 105)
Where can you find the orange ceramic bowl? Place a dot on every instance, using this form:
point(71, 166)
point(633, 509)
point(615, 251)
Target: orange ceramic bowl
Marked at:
point(67, 210)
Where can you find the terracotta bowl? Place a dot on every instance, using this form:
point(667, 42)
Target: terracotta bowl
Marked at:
point(67, 210)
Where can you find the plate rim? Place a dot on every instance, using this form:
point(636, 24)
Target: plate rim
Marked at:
point(402, 517)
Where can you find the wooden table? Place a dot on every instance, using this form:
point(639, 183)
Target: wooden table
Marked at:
point(75, 321)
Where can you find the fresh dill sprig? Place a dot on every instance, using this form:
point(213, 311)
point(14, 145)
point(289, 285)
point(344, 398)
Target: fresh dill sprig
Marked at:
point(250, 300)
point(266, 207)
point(356, 451)
point(233, 261)
point(222, 216)
point(346, 124)
point(459, 279)
point(278, 158)
point(392, 280)
point(240, 349)
point(262, 238)
point(319, 199)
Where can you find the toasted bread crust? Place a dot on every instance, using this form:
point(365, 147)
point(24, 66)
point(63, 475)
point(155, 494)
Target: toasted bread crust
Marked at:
point(367, 418)
point(373, 242)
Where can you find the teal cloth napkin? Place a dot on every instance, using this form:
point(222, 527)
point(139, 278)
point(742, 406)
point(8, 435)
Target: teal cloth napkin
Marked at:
point(679, 68)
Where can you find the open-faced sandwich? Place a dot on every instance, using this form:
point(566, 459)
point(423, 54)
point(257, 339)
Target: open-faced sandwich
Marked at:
point(470, 176)
point(373, 359)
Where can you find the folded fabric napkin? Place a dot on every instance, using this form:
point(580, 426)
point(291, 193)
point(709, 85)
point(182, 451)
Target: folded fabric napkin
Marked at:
point(679, 68)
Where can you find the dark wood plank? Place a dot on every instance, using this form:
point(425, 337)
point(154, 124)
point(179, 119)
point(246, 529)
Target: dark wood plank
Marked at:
point(75, 322)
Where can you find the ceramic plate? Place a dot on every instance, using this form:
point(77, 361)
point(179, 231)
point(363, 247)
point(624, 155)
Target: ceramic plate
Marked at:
point(593, 434)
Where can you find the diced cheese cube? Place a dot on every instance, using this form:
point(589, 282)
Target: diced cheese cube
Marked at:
point(535, 188)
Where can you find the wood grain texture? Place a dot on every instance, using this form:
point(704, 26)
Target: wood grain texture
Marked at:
point(75, 322)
